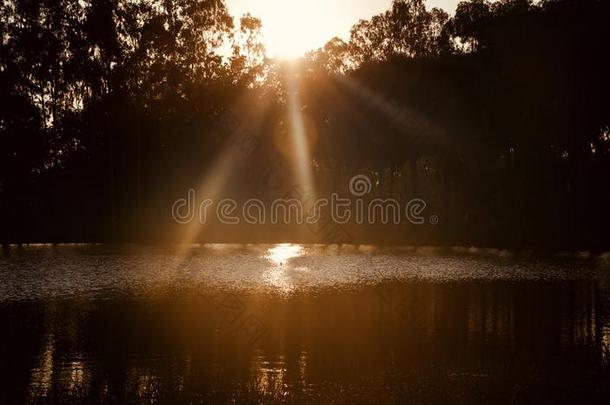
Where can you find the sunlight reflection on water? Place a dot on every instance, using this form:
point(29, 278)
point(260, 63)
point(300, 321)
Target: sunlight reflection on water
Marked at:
point(283, 323)
point(280, 255)
point(269, 375)
point(41, 272)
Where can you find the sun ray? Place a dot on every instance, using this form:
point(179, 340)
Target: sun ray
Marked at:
point(212, 185)
point(301, 148)
point(401, 115)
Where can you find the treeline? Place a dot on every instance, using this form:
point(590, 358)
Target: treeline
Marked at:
point(497, 117)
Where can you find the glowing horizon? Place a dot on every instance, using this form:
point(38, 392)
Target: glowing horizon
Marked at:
point(293, 27)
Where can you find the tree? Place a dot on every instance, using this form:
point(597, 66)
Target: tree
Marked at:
point(408, 29)
point(248, 59)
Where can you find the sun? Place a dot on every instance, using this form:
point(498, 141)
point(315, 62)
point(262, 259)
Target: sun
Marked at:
point(291, 28)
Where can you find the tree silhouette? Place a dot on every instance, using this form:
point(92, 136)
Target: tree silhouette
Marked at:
point(497, 116)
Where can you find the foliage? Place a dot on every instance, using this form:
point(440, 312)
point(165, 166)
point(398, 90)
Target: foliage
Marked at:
point(497, 115)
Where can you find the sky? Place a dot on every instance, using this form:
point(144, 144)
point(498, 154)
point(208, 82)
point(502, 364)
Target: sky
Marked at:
point(291, 27)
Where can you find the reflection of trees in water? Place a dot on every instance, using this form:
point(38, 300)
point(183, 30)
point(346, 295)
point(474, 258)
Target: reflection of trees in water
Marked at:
point(492, 334)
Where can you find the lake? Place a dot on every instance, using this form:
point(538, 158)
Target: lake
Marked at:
point(292, 323)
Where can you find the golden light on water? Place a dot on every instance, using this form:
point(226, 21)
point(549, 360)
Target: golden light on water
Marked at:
point(280, 254)
point(277, 275)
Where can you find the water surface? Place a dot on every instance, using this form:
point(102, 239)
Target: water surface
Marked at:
point(286, 323)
